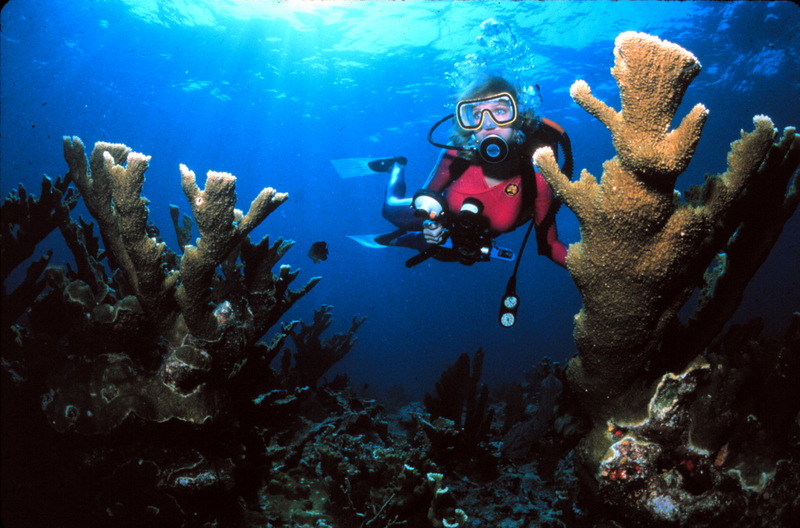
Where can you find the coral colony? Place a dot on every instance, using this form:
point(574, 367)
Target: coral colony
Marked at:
point(137, 390)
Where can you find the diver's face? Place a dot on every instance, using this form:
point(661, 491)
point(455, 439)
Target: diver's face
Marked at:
point(491, 129)
point(499, 109)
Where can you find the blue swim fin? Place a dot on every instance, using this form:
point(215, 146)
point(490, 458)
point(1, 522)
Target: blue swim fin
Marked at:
point(357, 167)
point(352, 167)
point(368, 241)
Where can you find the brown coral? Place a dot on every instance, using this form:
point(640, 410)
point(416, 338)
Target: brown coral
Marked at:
point(112, 193)
point(652, 76)
point(151, 378)
point(219, 235)
point(643, 251)
point(179, 300)
point(26, 221)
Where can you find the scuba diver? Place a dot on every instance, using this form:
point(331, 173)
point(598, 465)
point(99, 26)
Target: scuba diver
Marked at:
point(484, 183)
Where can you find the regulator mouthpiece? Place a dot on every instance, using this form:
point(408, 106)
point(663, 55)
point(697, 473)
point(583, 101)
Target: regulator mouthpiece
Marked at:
point(493, 149)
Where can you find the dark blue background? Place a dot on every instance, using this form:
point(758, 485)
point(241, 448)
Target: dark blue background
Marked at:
point(272, 91)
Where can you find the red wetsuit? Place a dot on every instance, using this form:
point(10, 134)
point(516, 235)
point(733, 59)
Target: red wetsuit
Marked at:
point(502, 203)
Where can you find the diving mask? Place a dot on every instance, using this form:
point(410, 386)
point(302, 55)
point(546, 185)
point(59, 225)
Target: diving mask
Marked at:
point(500, 108)
point(474, 114)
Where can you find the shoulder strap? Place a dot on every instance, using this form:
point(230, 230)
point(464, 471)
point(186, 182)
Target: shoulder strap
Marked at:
point(530, 190)
point(555, 136)
point(457, 168)
point(549, 134)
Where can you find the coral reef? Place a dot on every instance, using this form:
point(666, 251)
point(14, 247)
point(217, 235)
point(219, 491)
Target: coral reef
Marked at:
point(547, 429)
point(341, 466)
point(460, 418)
point(178, 300)
point(664, 406)
point(708, 454)
point(643, 251)
point(137, 390)
point(141, 404)
point(151, 377)
point(315, 356)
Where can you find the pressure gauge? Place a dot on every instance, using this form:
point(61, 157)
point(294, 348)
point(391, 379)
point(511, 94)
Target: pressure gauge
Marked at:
point(507, 319)
point(510, 302)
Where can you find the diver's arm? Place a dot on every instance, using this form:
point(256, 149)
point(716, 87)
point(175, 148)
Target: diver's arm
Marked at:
point(545, 219)
point(437, 181)
point(554, 249)
point(396, 207)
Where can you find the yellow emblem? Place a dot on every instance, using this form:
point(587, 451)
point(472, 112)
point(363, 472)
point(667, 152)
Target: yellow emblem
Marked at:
point(512, 189)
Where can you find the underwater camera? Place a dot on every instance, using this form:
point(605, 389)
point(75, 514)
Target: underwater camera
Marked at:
point(469, 230)
point(468, 238)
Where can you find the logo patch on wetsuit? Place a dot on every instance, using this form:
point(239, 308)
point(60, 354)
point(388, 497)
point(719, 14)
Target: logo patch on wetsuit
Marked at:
point(512, 189)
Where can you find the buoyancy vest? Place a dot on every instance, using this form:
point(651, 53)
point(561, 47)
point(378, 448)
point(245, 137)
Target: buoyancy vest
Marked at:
point(547, 133)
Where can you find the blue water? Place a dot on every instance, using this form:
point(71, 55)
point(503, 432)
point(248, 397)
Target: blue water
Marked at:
point(272, 91)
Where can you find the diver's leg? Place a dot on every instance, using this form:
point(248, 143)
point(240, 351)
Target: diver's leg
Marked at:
point(396, 188)
point(386, 164)
point(396, 207)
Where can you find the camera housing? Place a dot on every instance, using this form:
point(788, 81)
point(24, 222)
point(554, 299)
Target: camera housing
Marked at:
point(469, 230)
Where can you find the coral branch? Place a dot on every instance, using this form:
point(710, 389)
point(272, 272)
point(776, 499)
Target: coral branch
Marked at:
point(643, 252)
point(314, 355)
point(180, 299)
point(652, 76)
point(183, 231)
point(573, 194)
point(112, 194)
point(27, 220)
point(749, 239)
point(582, 94)
point(219, 235)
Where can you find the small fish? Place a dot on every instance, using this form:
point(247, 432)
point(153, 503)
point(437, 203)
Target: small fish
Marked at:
point(318, 251)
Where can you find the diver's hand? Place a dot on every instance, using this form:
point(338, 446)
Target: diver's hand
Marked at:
point(433, 231)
